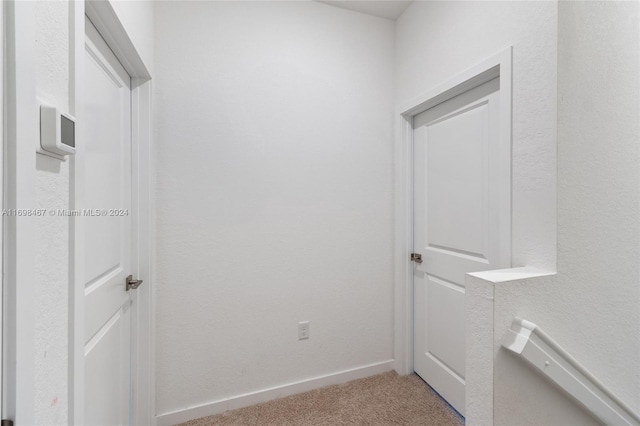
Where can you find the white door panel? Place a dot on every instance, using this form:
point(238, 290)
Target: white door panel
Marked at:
point(456, 151)
point(107, 237)
point(107, 385)
point(108, 164)
point(102, 299)
point(446, 306)
point(456, 227)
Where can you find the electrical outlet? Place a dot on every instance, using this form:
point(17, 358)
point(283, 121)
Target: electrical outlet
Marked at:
point(303, 330)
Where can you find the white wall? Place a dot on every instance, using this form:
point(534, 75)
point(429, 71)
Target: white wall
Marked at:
point(592, 306)
point(436, 40)
point(52, 236)
point(274, 195)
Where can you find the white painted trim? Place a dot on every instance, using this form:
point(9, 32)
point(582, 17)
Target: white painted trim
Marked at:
point(248, 399)
point(403, 294)
point(148, 266)
point(556, 364)
point(76, 225)
point(142, 203)
point(103, 16)
point(19, 192)
point(2, 133)
point(499, 65)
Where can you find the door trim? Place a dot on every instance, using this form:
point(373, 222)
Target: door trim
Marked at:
point(2, 286)
point(103, 16)
point(499, 65)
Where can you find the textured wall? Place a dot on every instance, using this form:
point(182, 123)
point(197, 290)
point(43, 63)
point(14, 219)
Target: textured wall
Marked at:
point(436, 40)
point(592, 306)
point(274, 171)
point(598, 186)
point(52, 237)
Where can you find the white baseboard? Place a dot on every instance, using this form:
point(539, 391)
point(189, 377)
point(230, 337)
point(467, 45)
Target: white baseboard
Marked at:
point(217, 407)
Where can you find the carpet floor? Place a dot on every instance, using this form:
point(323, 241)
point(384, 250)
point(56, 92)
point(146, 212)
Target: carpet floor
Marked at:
point(385, 399)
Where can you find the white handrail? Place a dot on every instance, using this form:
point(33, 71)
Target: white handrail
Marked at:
point(534, 345)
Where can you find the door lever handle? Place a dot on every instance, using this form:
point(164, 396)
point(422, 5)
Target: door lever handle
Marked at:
point(131, 283)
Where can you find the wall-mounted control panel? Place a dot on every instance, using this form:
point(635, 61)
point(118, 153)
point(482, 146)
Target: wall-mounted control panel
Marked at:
point(57, 131)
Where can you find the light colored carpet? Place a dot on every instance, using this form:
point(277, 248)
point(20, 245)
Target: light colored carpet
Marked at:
point(385, 399)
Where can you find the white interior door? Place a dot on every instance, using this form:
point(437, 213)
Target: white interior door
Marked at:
point(107, 235)
point(456, 227)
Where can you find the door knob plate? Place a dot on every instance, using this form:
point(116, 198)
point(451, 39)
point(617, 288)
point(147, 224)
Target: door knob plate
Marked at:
point(132, 284)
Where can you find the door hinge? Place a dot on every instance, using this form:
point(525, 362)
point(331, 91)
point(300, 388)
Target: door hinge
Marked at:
point(7, 423)
point(416, 257)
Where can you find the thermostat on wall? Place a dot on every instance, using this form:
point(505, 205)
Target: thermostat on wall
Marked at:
point(57, 131)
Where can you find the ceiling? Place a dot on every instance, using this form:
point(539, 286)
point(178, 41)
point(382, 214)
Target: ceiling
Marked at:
point(390, 9)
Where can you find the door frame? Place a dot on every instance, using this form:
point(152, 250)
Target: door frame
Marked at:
point(496, 66)
point(2, 135)
point(105, 19)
